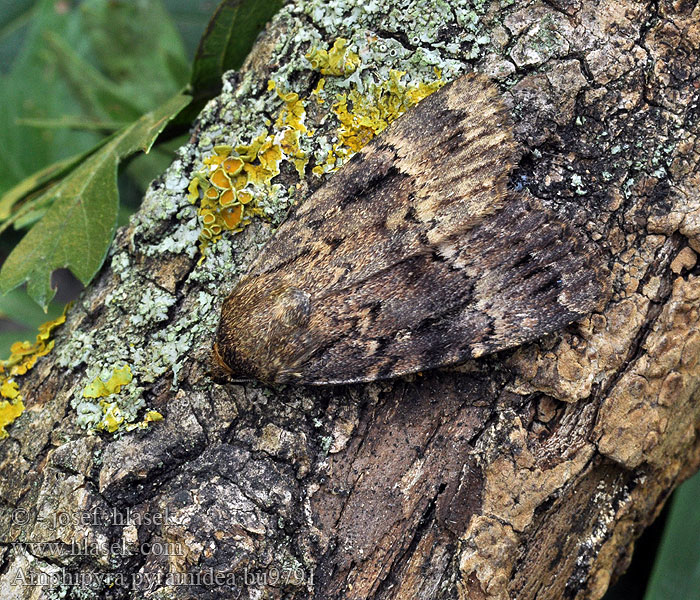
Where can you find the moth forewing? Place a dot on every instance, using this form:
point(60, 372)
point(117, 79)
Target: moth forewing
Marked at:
point(414, 255)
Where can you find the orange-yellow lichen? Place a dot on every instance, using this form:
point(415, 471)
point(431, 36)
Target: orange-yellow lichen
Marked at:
point(232, 216)
point(112, 418)
point(245, 196)
point(233, 166)
point(228, 198)
point(292, 115)
point(235, 181)
point(220, 179)
point(237, 178)
point(339, 61)
point(23, 356)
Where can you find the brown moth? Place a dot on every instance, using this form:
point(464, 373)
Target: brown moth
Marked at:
point(414, 255)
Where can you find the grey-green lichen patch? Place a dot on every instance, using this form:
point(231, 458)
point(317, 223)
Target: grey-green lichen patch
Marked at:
point(155, 329)
point(183, 240)
point(88, 590)
point(544, 40)
point(414, 30)
point(577, 184)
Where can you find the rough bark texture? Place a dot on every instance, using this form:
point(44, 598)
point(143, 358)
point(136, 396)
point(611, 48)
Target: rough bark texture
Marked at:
point(527, 474)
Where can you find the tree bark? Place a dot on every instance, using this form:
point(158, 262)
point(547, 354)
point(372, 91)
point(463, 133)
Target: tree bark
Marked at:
point(527, 474)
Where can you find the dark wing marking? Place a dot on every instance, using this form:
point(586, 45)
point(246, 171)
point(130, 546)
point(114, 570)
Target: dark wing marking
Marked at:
point(414, 255)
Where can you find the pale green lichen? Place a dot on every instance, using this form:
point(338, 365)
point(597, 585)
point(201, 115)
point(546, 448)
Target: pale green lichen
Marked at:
point(542, 41)
point(156, 331)
point(111, 404)
point(152, 307)
point(577, 183)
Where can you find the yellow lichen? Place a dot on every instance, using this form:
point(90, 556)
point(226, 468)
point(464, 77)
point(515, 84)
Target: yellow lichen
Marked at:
point(23, 356)
point(362, 116)
point(318, 90)
point(339, 61)
point(112, 416)
point(238, 176)
point(102, 389)
point(9, 389)
point(235, 179)
point(9, 411)
point(151, 417)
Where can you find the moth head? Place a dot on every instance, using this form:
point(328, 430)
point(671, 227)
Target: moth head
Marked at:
point(262, 328)
point(218, 369)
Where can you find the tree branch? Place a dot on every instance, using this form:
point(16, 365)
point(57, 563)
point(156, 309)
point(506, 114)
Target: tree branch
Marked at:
point(527, 474)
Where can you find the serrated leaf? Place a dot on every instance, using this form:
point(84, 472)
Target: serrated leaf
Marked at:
point(228, 39)
point(74, 233)
point(36, 184)
point(77, 229)
point(142, 134)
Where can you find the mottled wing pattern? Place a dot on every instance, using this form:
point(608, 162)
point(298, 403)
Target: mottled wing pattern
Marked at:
point(512, 279)
point(414, 255)
point(435, 173)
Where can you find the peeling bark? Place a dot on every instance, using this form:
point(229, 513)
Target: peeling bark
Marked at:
point(527, 474)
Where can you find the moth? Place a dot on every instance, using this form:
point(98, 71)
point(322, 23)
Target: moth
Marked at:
point(416, 254)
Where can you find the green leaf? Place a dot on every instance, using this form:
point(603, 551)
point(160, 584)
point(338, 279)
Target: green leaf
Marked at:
point(15, 16)
point(30, 196)
point(115, 58)
point(93, 61)
point(31, 89)
point(77, 229)
point(138, 57)
point(142, 134)
point(15, 306)
point(35, 182)
point(67, 122)
point(228, 39)
point(676, 574)
point(137, 45)
point(100, 98)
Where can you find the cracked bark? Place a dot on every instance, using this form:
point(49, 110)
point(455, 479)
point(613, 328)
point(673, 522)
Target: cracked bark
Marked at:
point(528, 474)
